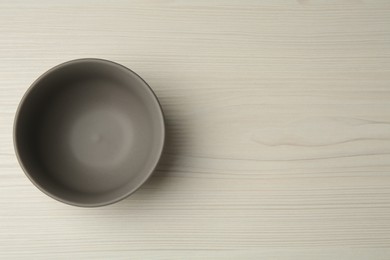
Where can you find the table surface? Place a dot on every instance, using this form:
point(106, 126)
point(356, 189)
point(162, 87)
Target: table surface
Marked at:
point(278, 119)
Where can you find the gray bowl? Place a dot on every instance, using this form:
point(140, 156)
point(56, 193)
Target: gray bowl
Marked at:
point(89, 132)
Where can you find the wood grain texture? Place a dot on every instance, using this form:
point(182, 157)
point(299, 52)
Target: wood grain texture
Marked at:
point(278, 118)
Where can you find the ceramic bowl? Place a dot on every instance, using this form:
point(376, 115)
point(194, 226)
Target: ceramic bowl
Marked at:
point(89, 132)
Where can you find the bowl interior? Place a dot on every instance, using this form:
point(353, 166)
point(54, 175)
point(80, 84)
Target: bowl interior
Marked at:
point(89, 132)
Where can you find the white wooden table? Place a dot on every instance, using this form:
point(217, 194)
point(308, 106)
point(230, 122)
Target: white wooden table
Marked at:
point(278, 119)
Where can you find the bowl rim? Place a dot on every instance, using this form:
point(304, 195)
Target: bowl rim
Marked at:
point(162, 122)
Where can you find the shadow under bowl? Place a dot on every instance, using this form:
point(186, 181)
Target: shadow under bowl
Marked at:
point(89, 132)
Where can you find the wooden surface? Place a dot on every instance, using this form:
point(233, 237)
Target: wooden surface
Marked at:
point(278, 119)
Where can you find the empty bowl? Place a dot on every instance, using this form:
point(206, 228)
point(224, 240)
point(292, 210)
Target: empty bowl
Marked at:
point(89, 132)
